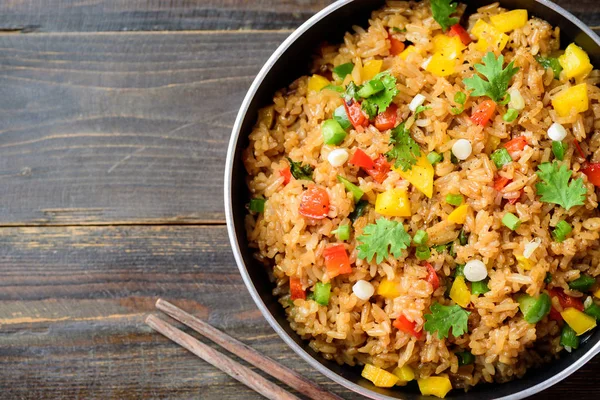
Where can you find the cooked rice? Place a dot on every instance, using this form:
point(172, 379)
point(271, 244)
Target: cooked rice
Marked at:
point(355, 332)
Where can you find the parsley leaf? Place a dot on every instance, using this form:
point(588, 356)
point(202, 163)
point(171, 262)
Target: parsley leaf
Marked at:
point(382, 238)
point(497, 78)
point(405, 150)
point(300, 171)
point(441, 10)
point(442, 318)
point(380, 101)
point(556, 188)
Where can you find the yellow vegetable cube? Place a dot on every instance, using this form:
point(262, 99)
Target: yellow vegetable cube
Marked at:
point(459, 292)
point(438, 386)
point(393, 203)
point(573, 97)
point(575, 62)
point(370, 69)
point(597, 294)
point(580, 322)
point(488, 36)
point(459, 215)
point(409, 50)
point(317, 82)
point(441, 66)
point(420, 175)
point(404, 374)
point(379, 377)
point(388, 289)
point(449, 47)
point(524, 263)
point(509, 21)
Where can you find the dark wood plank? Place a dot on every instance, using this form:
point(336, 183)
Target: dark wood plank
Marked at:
point(73, 300)
point(120, 128)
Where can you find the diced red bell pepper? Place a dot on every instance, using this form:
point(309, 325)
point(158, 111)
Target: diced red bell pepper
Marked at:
point(500, 182)
point(592, 170)
point(314, 203)
point(296, 290)
point(565, 300)
point(579, 150)
point(287, 175)
point(515, 145)
point(356, 115)
point(336, 260)
point(361, 159)
point(432, 276)
point(458, 30)
point(403, 324)
point(387, 119)
point(380, 169)
point(555, 315)
point(483, 112)
point(396, 46)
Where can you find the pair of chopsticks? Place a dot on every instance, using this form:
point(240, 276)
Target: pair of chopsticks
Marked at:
point(234, 369)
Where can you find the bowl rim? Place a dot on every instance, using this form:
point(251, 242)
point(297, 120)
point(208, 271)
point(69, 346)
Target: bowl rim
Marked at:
point(228, 204)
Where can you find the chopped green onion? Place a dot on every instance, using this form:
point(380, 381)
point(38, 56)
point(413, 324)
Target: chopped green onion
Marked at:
point(465, 358)
point(351, 187)
point(423, 252)
point(370, 88)
point(583, 283)
point(398, 30)
point(550, 62)
point(459, 270)
point(501, 157)
point(454, 199)
point(434, 158)
point(593, 310)
point(322, 293)
point(359, 210)
point(463, 239)
point(342, 70)
point(342, 118)
point(342, 232)
point(480, 287)
point(332, 132)
point(548, 278)
point(505, 100)
point(460, 98)
point(534, 308)
point(511, 221)
point(257, 205)
point(568, 337)
point(421, 237)
point(561, 231)
point(456, 110)
point(511, 115)
point(558, 148)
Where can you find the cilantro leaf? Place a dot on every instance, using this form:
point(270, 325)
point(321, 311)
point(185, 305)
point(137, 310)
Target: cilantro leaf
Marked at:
point(556, 188)
point(420, 109)
point(300, 171)
point(497, 77)
point(441, 10)
point(442, 318)
point(405, 150)
point(550, 62)
point(351, 92)
point(380, 101)
point(382, 238)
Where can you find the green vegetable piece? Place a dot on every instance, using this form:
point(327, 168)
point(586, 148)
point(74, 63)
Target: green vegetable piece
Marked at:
point(453, 158)
point(548, 278)
point(534, 308)
point(559, 148)
point(421, 237)
point(405, 150)
point(398, 30)
point(351, 92)
point(505, 100)
point(583, 283)
point(342, 118)
point(310, 296)
point(480, 287)
point(342, 70)
point(568, 337)
point(423, 252)
point(561, 231)
point(381, 239)
point(441, 10)
point(463, 238)
point(444, 318)
point(342, 232)
point(511, 221)
point(300, 171)
point(380, 101)
point(370, 88)
point(257, 205)
point(593, 310)
point(501, 157)
point(334, 88)
point(465, 358)
point(460, 98)
point(332, 132)
point(359, 210)
point(454, 199)
point(420, 109)
point(557, 186)
point(351, 187)
point(434, 158)
point(322, 293)
point(550, 62)
point(498, 78)
point(511, 115)
point(459, 270)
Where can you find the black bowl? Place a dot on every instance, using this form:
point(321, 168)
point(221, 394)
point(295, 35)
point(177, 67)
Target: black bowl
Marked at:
point(290, 61)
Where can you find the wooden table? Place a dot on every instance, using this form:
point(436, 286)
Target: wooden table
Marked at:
point(114, 120)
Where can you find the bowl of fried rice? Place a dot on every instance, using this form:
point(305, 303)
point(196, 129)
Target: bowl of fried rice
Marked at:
point(411, 196)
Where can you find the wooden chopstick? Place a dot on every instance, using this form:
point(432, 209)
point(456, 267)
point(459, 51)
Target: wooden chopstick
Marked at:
point(224, 363)
point(245, 352)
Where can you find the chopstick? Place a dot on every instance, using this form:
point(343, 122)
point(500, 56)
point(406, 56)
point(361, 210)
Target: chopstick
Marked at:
point(245, 352)
point(222, 362)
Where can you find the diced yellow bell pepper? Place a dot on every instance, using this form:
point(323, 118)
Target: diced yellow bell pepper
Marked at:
point(510, 20)
point(492, 144)
point(420, 175)
point(459, 215)
point(460, 292)
point(393, 203)
point(404, 374)
point(441, 66)
point(317, 82)
point(409, 50)
point(488, 36)
point(379, 377)
point(370, 69)
point(575, 62)
point(388, 289)
point(524, 263)
point(438, 386)
point(450, 47)
point(580, 322)
point(573, 97)
point(597, 294)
